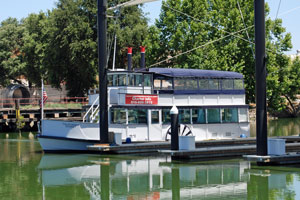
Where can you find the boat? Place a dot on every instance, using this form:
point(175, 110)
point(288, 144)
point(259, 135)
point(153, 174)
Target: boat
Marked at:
point(211, 105)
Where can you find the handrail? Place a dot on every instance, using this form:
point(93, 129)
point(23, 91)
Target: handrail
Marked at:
point(90, 109)
point(94, 114)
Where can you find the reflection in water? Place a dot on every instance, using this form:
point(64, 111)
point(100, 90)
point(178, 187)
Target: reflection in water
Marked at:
point(279, 127)
point(152, 178)
point(27, 174)
point(279, 184)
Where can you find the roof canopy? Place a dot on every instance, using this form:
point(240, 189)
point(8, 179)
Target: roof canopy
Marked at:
point(178, 72)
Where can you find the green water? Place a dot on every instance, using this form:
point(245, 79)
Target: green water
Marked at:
point(280, 127)
point(27, 173)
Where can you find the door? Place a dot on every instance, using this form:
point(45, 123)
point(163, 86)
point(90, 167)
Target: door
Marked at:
point(154, 125)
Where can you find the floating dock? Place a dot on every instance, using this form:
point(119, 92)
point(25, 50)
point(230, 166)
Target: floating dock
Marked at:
point(211, 149)
point(289, 158)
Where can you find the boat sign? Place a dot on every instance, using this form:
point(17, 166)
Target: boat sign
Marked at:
point(141, 99)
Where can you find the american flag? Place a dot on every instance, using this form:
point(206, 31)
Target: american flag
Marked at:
point(44, 98)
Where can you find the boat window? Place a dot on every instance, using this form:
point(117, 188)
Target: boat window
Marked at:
point(184, 116)
point(238, 84)
point(243, 115)
point(135, 79)
point(131, 80)
point(109, 80)
point(166, 117)
point(198, 116)
point(154, 117)
point(213, 84)
point(139, 80)
point(213, 115)
point(166, 84)
point(147, 80)
point(118, 116)
point(203, 84)
point(115, 80)
point(137, 116)
point(179, 84)
point(227, 84)
point(122, 79)
point(229, 115)
point(191, 84)
point(157, 84)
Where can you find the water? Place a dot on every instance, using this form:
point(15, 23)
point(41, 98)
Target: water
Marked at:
point(26, 173)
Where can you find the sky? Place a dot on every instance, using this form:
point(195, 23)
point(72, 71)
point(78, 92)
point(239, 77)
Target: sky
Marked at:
point(289, 12)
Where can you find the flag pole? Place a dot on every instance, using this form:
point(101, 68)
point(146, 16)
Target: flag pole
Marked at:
point(42, 101)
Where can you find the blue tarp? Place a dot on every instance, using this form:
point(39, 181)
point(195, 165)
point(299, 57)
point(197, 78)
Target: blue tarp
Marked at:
point(178, 72)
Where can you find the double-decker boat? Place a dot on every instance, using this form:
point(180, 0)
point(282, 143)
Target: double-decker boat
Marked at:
point(211, 105)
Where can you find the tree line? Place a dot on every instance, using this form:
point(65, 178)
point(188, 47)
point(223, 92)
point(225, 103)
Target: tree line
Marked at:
point(60, 45)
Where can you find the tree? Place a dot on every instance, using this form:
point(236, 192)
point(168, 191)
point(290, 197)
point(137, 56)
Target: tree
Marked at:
point(71, 42)
point(207, 27)
point(11, 63)
point(130, 27)
point(34, 48)
point(70, 55)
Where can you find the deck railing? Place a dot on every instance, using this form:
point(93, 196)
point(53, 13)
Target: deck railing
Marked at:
point(52, 102)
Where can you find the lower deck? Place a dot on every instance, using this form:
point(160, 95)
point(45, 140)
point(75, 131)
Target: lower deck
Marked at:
point(153, 124)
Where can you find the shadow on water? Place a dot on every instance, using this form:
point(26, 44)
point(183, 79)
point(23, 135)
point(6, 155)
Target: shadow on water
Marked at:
point(280, 127)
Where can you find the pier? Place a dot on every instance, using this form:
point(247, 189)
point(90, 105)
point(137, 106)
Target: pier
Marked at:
point(8, 116)
point(205, 150)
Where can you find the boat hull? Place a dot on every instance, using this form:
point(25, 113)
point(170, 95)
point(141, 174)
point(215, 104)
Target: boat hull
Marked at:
point(59, 144)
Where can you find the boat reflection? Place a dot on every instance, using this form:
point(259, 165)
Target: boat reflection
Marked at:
point(145, 178)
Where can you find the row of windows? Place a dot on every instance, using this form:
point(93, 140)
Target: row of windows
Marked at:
point(198, 84)
point(186, 116)
point(125, 79)
point(168, 83)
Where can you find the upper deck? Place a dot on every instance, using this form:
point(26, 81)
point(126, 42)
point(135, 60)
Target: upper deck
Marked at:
point(168, 86)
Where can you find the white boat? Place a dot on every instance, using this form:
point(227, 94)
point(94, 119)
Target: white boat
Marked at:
point(211, 106)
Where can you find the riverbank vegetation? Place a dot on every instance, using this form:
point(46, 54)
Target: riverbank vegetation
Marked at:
point(60, 45)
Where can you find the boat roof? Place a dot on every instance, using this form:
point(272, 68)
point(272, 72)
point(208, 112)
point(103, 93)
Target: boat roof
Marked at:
point(179, 72)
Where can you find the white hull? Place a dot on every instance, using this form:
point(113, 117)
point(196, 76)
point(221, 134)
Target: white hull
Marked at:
point(67, 135)
point(76, 136)
point(64, 144)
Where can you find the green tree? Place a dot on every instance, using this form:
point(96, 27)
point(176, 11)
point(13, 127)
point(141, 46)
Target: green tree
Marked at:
point(206, 28)
point(11, 56)
point(34, 47)
point(130, 27)
point(70, 52)
point(291, 77)
point(70, 38)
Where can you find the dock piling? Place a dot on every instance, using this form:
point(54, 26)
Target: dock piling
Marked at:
point(174, 128)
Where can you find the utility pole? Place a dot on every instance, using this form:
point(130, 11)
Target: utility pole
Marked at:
point(102, 65)
point(261, 73)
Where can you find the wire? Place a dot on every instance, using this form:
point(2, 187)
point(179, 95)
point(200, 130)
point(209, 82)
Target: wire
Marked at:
point(246, 30)
point(231, 34)
point(278, 9)
point(291, 10)
point(206, 23)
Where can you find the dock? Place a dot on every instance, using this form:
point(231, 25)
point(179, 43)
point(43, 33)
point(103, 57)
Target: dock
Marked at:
point(289, 158)
point(32, 116)
point(205, 150)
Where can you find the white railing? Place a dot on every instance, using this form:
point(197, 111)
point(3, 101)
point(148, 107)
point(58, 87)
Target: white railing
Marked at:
point(91, 113)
